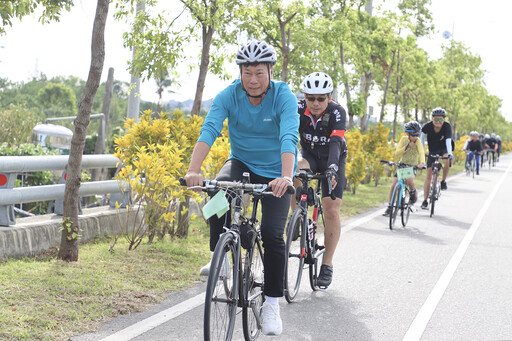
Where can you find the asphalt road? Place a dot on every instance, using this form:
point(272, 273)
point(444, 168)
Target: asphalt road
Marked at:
point(448, 277)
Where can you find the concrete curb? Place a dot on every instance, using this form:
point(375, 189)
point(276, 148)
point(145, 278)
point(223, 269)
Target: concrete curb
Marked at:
point(34, 235)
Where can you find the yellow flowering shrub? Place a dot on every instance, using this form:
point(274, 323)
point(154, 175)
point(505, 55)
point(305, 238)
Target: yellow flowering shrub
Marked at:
point(154, 156)
point(355, 168)
point(376, 148)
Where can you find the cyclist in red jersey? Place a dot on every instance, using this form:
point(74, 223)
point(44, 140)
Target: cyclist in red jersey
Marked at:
point(323, 150)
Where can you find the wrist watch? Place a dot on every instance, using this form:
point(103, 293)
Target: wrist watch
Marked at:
point(334, 166)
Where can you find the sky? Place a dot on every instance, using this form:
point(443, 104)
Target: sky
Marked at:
point(63, 48)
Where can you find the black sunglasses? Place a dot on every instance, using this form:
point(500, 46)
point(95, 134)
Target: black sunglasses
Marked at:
point(319, 99)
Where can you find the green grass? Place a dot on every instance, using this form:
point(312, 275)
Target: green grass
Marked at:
point(42, 298)
point(45, 299)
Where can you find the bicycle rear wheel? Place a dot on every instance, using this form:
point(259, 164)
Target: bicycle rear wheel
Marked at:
point(294, 254)
point(222, 290)
point(405, 209)
point(253, 292)
point(433, 193)
point(395, 200)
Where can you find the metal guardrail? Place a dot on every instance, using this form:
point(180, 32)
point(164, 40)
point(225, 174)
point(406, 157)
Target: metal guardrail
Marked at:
point(11, 166)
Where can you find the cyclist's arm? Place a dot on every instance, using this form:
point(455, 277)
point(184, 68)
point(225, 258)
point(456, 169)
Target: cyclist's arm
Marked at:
point(466, 145)
point(337, 138)
point(401, 147)
point(449, 146)
point(194, 177)
point(422, 138)
point(421, 152)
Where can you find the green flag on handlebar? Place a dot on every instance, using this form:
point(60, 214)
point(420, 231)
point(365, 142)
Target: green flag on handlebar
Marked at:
point(217, 205)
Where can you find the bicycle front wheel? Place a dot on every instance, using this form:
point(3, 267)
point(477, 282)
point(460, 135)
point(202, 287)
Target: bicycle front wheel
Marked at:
point(295, 252)
point(253, 292)
point(405, 209)
point(395, 200)
point(222, 290)
point(433, 193)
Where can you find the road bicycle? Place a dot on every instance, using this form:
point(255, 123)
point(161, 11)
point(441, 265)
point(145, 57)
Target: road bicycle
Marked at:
point(400, 199)
point(435, 183)
point(491, 160)
point(235, 279)
point(302, 246)
point(471, 166)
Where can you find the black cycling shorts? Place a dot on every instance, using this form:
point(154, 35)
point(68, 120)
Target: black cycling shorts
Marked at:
point(320, 166)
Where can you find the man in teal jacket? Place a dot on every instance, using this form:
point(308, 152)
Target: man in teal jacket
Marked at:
point(263, 131)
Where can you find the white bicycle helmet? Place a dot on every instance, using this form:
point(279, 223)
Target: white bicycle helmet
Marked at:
point(317, 83)
point(439, 112)
point(493, 135)
point(256, 51)
point(473, 133)
point(498, 137)
point(487, 136)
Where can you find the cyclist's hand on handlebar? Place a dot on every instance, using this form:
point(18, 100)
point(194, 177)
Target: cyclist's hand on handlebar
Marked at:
point(421, 166)
point(331, 173)
point(194, 179)
point(279, 186)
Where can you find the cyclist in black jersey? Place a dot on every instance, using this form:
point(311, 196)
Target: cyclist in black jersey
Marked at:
point(323, 150)
point(438, 134)
point(498, 141)
point(474, 146)
point(492, 146)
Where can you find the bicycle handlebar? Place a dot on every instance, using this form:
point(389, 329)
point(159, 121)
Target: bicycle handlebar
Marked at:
point(438, 157)
point(306, 173)
point(209, 185)
point(399, 165)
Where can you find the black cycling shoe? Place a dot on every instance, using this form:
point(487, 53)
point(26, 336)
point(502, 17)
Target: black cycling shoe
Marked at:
point(413, 197)
point(387, 212)
point(424, 204)
point(443, 185)
point(325, 276)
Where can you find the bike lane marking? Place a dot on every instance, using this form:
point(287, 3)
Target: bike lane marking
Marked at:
point(153, 321)
point(421, 320)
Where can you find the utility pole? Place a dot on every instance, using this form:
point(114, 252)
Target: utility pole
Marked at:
point(134, 99)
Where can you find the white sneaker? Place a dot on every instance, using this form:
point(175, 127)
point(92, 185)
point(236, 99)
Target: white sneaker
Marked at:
point(271, 321)
point(205, 270)
point(225, 272)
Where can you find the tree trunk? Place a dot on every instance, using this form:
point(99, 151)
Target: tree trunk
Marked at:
point(203, 69)
point(367, 79)
point(183, 218)
point(69, 242)
point(347, 89)
point(103, 133)
point(384, 97)
point(134, 99)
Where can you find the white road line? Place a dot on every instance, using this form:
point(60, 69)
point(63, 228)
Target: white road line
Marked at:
point(151, 322)
point(419, 324)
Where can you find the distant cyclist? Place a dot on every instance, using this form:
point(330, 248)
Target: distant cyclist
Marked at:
point(323, 150)
point(409, 151)
point(498, 140)
point(492, 146)
point(473, 148)
point(438, 134)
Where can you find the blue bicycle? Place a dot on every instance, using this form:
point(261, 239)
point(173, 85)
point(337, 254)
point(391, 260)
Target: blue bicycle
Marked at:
point(400, 200)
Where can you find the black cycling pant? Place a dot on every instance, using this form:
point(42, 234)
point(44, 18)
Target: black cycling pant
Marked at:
point(320, 166)
point(274, 212)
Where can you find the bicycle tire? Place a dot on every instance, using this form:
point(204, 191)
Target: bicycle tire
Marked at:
point(222, 290)
point(395, 200)
point(313, 275)
point(294, 254)
point(473, 166)
point(433, 195)
point(404, 206)
point(253, 291)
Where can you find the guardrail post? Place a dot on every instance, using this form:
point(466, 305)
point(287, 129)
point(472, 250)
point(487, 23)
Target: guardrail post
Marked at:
point(7, 216)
